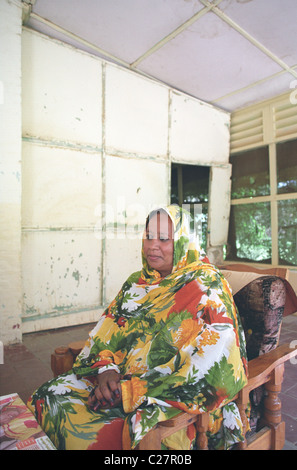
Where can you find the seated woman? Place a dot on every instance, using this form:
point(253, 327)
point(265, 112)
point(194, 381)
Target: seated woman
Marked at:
point(169, 341)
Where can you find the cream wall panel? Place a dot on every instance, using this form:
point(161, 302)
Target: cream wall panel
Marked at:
point(136, 113)
point(199, 132)
point(134, 187)
point(79, 317)
point(141, 185)
point(10, 172)
point(96, 139)
point(10, 273)
point(61, 187)
point(61, 272)
point(123, 257)
point(62, 90)
point(219, 204)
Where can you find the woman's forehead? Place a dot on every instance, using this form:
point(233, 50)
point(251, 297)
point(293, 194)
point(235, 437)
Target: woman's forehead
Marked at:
point(160, 222)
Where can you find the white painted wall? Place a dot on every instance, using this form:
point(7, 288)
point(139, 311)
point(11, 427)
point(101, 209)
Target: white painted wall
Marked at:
point(95, 136)
point(136, 114)
point(62, 184)
point(200, 133)
point(10, 172)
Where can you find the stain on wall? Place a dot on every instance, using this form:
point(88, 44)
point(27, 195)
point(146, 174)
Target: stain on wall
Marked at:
point(97, 147)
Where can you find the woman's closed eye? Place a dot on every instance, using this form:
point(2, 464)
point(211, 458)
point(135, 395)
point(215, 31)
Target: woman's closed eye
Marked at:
point(152, 236)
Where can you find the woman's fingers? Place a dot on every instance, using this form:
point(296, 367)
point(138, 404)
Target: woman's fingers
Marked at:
point(104, 394)
point(115, 388)
point(92, 398)
point(107, 393)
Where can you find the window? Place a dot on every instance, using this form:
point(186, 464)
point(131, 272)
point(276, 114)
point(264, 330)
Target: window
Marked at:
point(190, 187)
point(250, 173)
point(263, 217)
point(250, 233)
point(286, 160)
point(287, 231)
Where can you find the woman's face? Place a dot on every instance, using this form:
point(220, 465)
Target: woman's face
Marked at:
point(158, 244)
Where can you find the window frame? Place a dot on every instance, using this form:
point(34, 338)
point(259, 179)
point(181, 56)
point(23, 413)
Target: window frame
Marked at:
point(273, 199)
point(271, 127)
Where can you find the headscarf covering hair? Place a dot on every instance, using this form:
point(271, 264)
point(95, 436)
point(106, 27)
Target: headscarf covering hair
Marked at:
point(187, 249)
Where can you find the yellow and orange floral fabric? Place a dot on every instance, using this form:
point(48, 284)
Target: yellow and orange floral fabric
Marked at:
point(179, 345)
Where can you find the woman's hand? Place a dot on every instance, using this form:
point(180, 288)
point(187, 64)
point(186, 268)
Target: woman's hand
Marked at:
point(107, 392)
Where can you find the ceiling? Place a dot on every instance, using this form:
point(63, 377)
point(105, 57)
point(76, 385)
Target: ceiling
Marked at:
point(231, 53)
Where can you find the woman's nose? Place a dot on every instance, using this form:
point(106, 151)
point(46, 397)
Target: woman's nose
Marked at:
point(154, 243)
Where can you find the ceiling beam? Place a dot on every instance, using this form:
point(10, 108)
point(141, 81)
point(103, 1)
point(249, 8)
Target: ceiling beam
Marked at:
point(250, 38)
point(79, 39)
point(175, 33)
point(252, 85)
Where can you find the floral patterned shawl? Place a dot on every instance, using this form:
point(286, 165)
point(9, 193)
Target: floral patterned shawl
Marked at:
point(176, 340)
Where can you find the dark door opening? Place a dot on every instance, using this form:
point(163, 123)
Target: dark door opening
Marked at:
point(190, 188)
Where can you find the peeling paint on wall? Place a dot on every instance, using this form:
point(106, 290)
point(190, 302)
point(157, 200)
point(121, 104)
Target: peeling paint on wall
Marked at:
point(76, 276)
point(88, 147)
point(57, 274)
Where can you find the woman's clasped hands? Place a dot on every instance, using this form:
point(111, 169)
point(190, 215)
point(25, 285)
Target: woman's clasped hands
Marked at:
point(107, 391)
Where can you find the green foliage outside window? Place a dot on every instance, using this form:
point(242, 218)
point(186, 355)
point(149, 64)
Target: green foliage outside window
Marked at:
point(250, 237)
point(250, 234)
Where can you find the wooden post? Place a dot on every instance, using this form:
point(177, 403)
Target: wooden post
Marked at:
point(75, 348)
point(151, 441)
point(202, 427)
point(272, 408)
point(61, 360)
point(242, 403)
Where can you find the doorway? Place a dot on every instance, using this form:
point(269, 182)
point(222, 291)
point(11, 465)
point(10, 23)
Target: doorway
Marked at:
point(190, 188)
